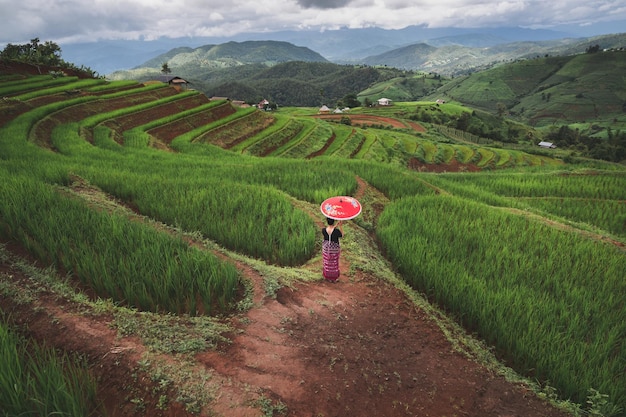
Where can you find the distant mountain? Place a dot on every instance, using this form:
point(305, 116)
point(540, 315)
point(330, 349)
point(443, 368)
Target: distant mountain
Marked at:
point(233, 54)
point(107, 56)
point(294, 76)
point(454, 59)
point(407, 57)
point(291, 83)
point(546, 91)
point(216, 64)
point(339, 46)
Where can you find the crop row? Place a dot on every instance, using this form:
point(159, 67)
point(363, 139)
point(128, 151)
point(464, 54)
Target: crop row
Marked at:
point(273, 138)
point(35, 381)
point(14, 87)
point(548, 300)
point(157, 114)
point(170, 127)
point(263, 141)
point(236, 129)
point(309, 128)
point(118, 258)
point(351, 145)
point(136, 134)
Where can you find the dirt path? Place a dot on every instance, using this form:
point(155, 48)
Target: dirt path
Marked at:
point(372, 120)
point(360, 347)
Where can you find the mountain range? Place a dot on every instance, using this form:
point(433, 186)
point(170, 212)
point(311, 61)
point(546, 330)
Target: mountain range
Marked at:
point(339, 46)
point(297, 76)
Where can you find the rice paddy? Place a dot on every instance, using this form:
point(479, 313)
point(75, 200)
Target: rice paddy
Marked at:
point(549, 299)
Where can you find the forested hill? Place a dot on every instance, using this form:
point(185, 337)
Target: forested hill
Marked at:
point(231, 54)
point(580, 88)
point(307, 84)
point(294, 83)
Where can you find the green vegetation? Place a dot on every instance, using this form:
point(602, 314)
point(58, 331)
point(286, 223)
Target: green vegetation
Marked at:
point(293, 83)
point(583, 88)
point(36, 382)
point(538, 294)
point(404, 88)
point(47, 54)
point(575, 101)
point(516, 253)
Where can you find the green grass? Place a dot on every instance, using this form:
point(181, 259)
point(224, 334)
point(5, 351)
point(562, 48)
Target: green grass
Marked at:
point(538, 303)
point(455, 237)
point(35, 380)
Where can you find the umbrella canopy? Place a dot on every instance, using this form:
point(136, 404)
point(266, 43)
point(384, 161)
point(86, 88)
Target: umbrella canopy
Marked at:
point(341, 208)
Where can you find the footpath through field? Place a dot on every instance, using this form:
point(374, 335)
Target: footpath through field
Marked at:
point(360, 347)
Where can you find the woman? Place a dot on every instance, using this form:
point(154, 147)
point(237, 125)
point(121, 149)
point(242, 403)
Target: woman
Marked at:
point(331, 250)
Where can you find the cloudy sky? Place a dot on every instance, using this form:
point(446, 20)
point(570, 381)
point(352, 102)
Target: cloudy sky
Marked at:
point(69, 21)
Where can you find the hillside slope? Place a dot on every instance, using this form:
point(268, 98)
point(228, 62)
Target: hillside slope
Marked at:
point(456, 57)
point(233, 54)
point(186, 230)
point(549, 90)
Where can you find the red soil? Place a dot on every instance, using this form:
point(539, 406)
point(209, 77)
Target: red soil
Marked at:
point(373, 120)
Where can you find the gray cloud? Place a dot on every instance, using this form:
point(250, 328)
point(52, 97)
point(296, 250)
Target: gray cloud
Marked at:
point(323, 4)
point(75, 20)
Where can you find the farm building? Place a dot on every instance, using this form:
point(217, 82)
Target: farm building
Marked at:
point(324, 110)
point(384, 102)
point(548, 145)
point(174, 81)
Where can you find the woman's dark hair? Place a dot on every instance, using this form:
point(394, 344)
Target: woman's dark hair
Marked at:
point(330, 221)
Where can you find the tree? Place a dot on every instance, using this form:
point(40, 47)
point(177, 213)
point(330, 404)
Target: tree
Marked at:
point(48, 53)
point(463, 121)
point(350, 100)
point(165, 69)
point(593, 49)
point(501, 109)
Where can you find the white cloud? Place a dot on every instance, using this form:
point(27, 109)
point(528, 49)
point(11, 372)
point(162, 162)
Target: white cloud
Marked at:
point(73, 20)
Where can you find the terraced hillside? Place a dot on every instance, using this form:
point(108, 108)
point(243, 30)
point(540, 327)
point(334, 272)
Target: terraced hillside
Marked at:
point(160, 114)
point(173, 243)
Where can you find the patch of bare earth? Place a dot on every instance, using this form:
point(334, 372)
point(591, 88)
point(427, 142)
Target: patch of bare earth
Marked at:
point(356, 348)
point(372, 120)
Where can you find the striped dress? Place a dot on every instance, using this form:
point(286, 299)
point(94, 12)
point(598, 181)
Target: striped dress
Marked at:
point(330, 254)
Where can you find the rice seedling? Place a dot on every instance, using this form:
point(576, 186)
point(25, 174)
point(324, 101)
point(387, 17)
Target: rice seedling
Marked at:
point(313, 141)
point(530, 290)
point(352, 145)
point(371, 138)
point(487, 157)
point(156, 273)
point(275, 137)
point(36, 381)
point(308, 126)
point(15, 87)
point(429, 152)
point(342, 134)
point(72, 87)
point(548, 300)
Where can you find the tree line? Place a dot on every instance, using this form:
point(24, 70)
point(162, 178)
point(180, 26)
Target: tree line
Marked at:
point(612, 149)
point(46, 54)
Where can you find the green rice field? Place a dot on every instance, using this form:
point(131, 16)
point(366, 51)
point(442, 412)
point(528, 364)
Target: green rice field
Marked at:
point(527, 253)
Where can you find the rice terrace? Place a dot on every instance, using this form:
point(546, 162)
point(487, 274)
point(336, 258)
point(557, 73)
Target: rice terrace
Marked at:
point(160, 256)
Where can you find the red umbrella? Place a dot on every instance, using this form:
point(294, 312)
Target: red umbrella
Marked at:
point(341, 208)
